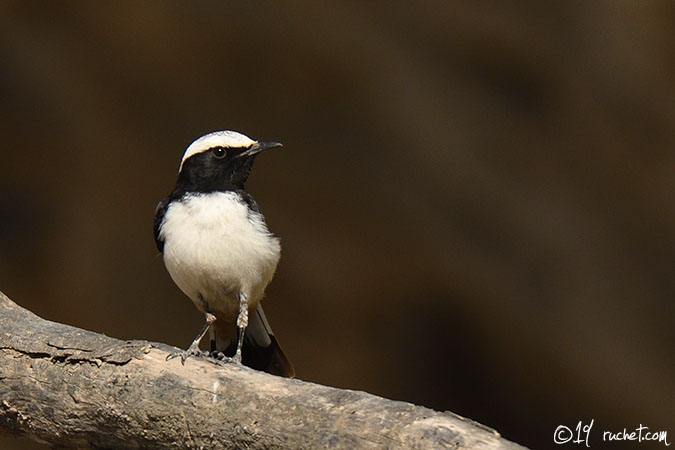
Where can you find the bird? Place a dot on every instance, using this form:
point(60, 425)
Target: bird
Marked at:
point(218, 250)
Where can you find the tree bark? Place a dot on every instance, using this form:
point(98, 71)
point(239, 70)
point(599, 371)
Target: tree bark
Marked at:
point(74, 388)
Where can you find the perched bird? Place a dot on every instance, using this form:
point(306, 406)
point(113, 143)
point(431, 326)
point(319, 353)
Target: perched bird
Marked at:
point(218, 250)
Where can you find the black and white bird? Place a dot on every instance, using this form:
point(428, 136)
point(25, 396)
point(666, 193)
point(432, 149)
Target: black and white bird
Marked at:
point(218, 250)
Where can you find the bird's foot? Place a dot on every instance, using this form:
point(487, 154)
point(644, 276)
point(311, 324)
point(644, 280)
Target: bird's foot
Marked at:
point(237, 357)
point(193, 350)
point(220, 356)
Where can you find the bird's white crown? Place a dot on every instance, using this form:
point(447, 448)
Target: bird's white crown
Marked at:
point(225, 139)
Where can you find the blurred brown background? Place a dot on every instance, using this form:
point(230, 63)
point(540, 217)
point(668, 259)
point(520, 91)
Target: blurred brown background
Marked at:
point(475, 200)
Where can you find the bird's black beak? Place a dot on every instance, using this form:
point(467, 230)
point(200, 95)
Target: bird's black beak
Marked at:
point(259, 147)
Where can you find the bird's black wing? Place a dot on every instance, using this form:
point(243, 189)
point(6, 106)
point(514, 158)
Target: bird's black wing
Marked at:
point(159, 217)
point(260, 351)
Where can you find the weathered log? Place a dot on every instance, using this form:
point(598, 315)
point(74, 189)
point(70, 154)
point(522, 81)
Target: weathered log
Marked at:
point(75, 388)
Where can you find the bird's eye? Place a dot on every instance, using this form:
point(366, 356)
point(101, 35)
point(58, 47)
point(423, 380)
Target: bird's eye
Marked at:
point(219, 152)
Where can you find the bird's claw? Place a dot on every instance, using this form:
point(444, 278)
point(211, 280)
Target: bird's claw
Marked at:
point(185, 354)
point(220, 356)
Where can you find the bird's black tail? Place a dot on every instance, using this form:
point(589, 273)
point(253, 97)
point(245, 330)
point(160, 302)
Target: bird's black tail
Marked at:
point(260, 349)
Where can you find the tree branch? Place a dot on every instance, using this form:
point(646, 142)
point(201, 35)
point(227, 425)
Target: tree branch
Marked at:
point(75, 388)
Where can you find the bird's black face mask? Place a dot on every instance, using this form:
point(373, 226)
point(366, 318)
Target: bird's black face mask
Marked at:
point(216, 169)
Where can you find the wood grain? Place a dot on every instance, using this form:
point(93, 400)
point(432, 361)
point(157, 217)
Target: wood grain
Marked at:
point(74, 388)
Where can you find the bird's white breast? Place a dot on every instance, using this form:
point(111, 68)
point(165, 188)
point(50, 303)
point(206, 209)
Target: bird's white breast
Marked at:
point(215, 247)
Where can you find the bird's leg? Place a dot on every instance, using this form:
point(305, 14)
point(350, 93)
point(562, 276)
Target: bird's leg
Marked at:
point(193, 349)
point(242, 323)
